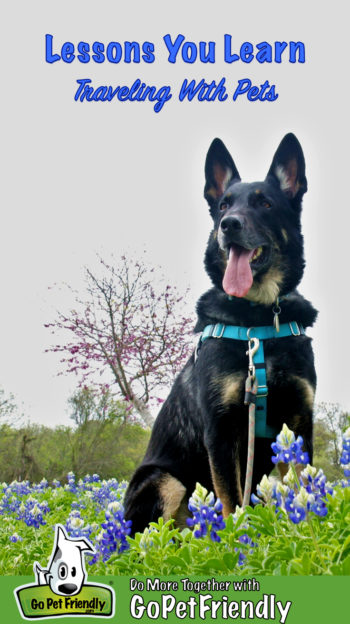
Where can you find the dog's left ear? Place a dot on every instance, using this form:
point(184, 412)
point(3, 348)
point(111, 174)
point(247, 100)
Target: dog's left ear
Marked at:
point(220, 171)
point(288, 167)
point(84, 544)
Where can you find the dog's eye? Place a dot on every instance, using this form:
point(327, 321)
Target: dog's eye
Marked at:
point(265, 204)
point(223, 206)
point(62, 571)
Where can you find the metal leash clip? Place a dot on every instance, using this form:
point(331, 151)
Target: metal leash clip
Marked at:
point(253, 346)
point(276, 312)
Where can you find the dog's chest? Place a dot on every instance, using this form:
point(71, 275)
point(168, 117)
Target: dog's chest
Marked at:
point(223, 368)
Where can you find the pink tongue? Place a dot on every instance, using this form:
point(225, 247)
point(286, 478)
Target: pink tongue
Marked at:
point(238, 277)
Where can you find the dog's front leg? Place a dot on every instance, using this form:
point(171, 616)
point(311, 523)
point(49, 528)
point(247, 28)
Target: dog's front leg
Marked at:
point(225, 469)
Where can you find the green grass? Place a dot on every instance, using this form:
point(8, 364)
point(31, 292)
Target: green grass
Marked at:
point(254, 541)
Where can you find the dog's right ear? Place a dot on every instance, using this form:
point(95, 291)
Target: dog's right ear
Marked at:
point(220, 171)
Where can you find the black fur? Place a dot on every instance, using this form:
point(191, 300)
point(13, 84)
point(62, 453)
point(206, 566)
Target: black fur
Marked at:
point(201, 431)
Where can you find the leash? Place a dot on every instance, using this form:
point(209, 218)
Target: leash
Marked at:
point(256, 389)
point(251, 388)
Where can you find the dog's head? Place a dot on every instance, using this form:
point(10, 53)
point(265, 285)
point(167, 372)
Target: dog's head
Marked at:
point(66, 572)
point(256, 248)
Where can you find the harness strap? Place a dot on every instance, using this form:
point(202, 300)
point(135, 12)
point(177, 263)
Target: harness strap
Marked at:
point(235, 332)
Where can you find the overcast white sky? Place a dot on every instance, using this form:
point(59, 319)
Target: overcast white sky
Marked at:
point(112, 177)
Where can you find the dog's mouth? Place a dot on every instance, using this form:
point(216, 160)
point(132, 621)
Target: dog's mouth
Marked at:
point(242, 266)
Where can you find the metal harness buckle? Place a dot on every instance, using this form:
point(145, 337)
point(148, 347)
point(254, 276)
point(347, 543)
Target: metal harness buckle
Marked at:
point(221, 333)
point(292, 329)
point(262, 395)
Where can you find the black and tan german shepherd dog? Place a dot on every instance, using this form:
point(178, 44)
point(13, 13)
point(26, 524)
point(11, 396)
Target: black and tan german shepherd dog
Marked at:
point(255, 260)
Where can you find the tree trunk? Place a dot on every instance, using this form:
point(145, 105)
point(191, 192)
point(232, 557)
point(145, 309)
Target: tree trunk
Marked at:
point(143, 411)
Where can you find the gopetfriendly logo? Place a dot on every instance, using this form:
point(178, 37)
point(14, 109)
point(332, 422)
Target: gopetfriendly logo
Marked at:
point(60, 589)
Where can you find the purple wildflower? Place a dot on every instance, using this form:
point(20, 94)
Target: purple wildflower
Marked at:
point(15, 538)
point(287, 449)
point(112, 539)
point(345, 457)
point(207, 518)
point(75, 525)
point(32, 512)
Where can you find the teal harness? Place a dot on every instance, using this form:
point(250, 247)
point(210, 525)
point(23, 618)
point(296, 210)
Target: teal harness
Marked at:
point(256, 361)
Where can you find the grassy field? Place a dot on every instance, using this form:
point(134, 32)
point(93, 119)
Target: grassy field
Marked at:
point(294, 528)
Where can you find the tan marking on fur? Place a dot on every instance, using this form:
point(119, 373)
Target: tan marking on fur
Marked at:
point(306, 389)
point(285, 235)
point(172, 492)
point(222, 177)
point(258, 191)
point(220, 491)
point(288, 177)
point(296, 422)
point(181, 515)
point(268, 289)
point(215, 235)
point(212, 192)
point(283, 178)
point(283, 469)
point(230, 388)
point(239, 485)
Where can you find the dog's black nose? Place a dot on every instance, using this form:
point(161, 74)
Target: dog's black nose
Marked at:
point(67, 588)
point(231, 224)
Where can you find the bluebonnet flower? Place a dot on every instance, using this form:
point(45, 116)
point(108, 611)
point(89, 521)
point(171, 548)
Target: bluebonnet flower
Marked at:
point(297, 496)
point(270, 491)
point(15, 538)
point(71, 485)
point(9, 504)
point(56, 483)
point(207, 517)
point(146, 541)
point(32, 512)
point(345, 457)
point(77, 505)
point(113, 537)
point(243, 539)
point(316, 484)
point(21, 488)
point(40, 487)
point(287, 449)
point(109, 491)
point(75, 525)
point(265, 490)
point(299, 504)
point(295, 505)
point(308, 494)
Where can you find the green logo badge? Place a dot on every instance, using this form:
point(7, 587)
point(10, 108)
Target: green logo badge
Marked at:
point(60, 589)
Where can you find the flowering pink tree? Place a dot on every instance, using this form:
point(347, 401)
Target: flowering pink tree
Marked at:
point(131, 335)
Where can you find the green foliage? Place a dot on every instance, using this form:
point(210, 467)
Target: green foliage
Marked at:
point(330, 422)
point(313, 547)
point(254, 541)
point(108, 447)
point(324, 451)
point(89, 403)
point(9, 412)
point(280, 547)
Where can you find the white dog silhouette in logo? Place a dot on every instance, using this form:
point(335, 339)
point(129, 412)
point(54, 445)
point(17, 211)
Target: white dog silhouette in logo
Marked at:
point(66, 572)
